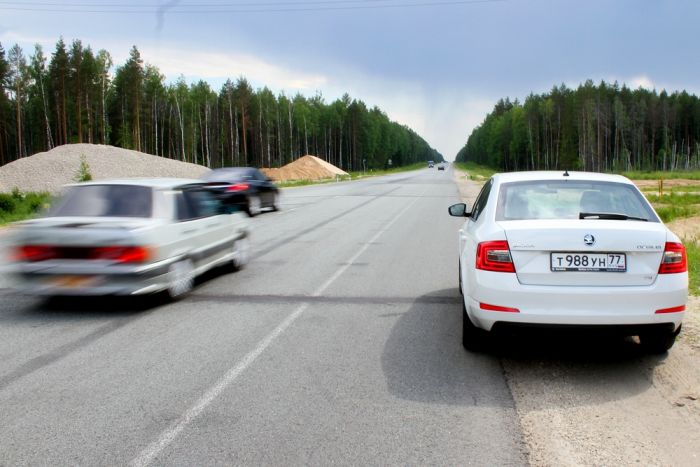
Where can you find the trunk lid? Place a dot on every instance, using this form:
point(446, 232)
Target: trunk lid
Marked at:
point(534, 244)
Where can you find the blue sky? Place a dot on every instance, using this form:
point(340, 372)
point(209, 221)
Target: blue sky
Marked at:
point(437, 66)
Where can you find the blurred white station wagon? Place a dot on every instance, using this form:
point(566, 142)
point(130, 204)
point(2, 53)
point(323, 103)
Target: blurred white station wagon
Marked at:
point(569, 249)
point(127, 237)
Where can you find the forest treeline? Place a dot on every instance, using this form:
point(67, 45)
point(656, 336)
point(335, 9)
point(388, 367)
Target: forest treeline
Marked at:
point(600, 128)
point(72, 96)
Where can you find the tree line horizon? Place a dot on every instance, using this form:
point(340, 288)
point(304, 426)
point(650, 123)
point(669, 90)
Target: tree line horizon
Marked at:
point(73, 97)
point(603, 128)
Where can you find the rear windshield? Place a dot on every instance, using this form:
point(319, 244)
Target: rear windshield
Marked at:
point(567, 199)
point(105, 201)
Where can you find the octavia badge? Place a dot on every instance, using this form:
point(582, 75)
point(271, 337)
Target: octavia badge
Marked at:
point(589, 239)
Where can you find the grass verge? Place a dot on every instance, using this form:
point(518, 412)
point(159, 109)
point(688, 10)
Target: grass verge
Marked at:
point(476, 171)
point(692, 249)
point(658, 175)
point(17, 206)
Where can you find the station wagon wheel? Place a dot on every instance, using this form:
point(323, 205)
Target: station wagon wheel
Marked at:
point(241, 254)
point(180, 278)
point(473, 339)
point(254, 205)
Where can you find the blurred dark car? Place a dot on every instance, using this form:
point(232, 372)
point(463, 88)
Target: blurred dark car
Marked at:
point(243, 188)
point(441, 166)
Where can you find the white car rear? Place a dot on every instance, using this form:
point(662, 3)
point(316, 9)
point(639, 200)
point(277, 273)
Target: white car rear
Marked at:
point(127, 237)
point(570, 249)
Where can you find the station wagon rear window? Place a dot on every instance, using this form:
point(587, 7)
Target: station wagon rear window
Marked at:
point(555, 199)
point(105, 201)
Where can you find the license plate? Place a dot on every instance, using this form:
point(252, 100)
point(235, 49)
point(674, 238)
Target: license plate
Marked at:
point(73, 282)
point(588, 262)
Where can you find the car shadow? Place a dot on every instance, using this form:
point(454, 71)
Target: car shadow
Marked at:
point(424, 360)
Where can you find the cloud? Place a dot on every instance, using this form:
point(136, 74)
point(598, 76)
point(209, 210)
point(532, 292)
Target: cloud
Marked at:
point(642, 81)
point(215, 67)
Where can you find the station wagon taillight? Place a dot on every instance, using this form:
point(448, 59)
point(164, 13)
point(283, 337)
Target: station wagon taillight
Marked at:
point(494, 256)
point(674, 259)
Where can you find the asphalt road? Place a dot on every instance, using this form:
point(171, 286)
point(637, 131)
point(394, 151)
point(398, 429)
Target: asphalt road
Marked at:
point(338, 344)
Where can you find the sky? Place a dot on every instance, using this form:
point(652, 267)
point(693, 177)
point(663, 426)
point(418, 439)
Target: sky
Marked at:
point(437, 66)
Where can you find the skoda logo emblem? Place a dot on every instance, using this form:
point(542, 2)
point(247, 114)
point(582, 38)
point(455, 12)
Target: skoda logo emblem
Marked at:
point(589, 239)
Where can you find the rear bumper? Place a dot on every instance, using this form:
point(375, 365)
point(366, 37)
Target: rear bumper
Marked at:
point(576, 306)
point(78, 278)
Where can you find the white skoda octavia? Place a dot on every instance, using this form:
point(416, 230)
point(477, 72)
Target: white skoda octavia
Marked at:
point(569, 249)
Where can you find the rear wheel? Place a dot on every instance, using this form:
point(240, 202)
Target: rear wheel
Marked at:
point(180, 279)
point(254, 205)
point(241, 254)
point(275, 201)
point(658, 341)
point(473, 339)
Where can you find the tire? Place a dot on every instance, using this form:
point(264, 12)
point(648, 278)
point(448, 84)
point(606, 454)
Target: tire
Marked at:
point(473, 339)
point(180, 279)
point(275, 200)
point(241, 254)
point(254, 205)
point(659, 341)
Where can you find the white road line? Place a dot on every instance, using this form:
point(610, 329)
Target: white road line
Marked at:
point(154, 449)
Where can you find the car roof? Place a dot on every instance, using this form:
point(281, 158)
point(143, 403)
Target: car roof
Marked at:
point(508, 177)
point(156, 182)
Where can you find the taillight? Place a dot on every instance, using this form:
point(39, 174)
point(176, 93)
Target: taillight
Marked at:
point(121, 254)
point(34, 253)
point(494, 256)
point(674, 259)
point(237, 187)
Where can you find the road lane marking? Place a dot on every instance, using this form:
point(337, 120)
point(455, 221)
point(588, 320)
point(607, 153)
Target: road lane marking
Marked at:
point(149, 454)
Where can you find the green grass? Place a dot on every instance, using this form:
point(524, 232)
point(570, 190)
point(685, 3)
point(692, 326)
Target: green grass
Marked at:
point(476, 171)
point(693, 251)
point(674, 205)
point(675, 198)
point(669, 213)
point(657, 175)
point(17, 206)
point(673, 189)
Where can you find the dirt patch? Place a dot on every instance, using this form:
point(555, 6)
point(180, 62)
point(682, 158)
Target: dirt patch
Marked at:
point(468, 189)
point(305, 168)
point(687, 228)
point(670, 183)
point(590, 402)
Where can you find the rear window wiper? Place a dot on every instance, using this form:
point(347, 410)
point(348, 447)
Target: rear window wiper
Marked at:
point(609, 215)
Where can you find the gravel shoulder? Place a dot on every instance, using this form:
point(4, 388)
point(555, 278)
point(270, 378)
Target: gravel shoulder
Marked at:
point(605, 402)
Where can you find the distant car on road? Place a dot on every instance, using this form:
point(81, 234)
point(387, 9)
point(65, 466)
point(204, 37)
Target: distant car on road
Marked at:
point(127, 237)
point(569, 249)
point(441, 166)
point(431, 164)
point(244, 188)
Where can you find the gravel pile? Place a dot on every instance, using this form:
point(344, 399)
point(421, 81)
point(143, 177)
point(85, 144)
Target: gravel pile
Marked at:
point(49, 171)
point(305, 168)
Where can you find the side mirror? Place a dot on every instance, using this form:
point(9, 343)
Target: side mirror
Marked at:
point(459, 210)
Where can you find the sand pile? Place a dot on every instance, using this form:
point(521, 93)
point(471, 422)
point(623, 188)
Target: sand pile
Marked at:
point(49, 171)
point(305, 168)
